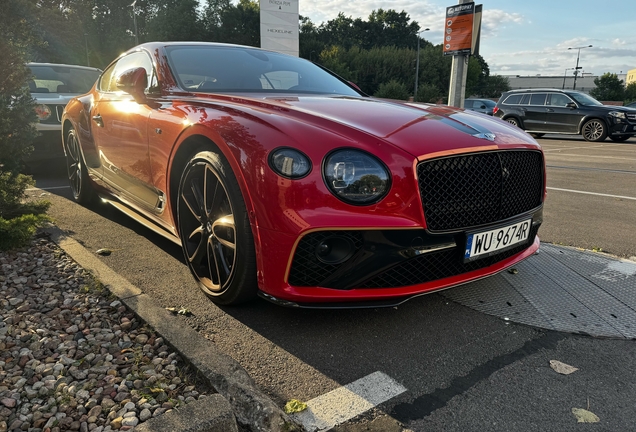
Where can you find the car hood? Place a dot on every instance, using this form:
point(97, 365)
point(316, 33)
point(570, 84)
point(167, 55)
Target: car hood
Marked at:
point(610, 108)
point(419, 129)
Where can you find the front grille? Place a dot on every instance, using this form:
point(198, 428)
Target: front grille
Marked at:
point(464, 191)
point(306, 269)
point(631, 117)
point(439, 265)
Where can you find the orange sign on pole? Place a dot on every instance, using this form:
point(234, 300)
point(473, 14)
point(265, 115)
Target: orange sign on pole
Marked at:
point(458, 29)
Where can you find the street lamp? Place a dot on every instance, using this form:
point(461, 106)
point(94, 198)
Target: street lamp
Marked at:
point(135, 22)
point(417, 63)
point(564, 73)
point(576, 70)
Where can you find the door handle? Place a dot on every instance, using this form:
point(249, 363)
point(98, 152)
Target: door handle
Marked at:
point(98, 120)
point(550, 110)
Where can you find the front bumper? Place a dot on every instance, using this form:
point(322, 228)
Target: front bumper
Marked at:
point(383, 267)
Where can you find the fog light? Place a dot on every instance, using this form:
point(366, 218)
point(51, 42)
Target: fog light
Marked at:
point(335, 250)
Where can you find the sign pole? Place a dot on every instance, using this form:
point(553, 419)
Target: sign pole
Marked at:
point(458, 41)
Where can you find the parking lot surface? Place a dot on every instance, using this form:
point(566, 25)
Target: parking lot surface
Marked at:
point(460, 369)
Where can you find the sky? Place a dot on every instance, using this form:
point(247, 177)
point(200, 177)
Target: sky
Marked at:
point(522, 37)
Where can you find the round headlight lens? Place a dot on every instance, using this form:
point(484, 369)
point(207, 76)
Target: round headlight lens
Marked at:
point(43, 112)
point(289, 163)
point(356, 177)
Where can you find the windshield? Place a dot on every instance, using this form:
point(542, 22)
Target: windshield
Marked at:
point(217, 69)
point(61, 79)
point(583, 99)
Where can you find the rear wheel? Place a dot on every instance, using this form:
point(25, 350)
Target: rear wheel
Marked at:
point(215, 231)
point(78, 179)
point(594, 130)
point(620, 138)
point(513, 121)
point(537, 135)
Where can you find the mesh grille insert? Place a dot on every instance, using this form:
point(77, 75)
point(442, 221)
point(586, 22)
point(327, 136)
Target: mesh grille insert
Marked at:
point(464, 191)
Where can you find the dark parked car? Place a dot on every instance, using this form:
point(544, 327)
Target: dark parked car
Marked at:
point(484, 106)
point(52, 86)
point(631, 105)
point(541, 111)
point(279, 178)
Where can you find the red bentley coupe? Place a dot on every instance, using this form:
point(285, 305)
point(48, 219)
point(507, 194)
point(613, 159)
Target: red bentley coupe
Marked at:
point(279, 178)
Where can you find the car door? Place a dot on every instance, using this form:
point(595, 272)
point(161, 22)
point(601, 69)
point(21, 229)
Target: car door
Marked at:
point(121, 135)
point(559, 117)
point(535, 115)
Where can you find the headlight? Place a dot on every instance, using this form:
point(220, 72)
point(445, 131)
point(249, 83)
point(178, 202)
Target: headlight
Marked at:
point(356, 177)
point(43, 112)
point(618, 114)
point(289, 163)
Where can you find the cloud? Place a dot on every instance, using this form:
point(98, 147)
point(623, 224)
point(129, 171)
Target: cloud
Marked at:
point(495, 19)
point(619, 42)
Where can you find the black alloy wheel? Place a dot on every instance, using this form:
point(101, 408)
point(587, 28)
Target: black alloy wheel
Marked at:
point(594, 130)
point(215, 231)
point(81, 188)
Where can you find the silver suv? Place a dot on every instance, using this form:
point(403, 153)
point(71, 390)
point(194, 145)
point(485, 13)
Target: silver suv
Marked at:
point(52, 86)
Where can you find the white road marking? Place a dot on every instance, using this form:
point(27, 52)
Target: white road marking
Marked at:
point(594, 156)
point(47, 188)
point(592, 193)
point(347, 402)
point(578, 148)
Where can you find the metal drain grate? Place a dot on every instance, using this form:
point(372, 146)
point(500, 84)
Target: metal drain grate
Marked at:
point(561, 289)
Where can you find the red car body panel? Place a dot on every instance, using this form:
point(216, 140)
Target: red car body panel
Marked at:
point(143, 140)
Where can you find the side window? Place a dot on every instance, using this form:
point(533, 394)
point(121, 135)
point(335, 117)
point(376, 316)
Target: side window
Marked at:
point(525, 99)
point(133, 60)
point(538, 98)
point(106, 79)
point(558, 99)
point(514, 99)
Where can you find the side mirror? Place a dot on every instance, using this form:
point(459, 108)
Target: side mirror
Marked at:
point(483, 107)
point(571, 105)
point(134, 82)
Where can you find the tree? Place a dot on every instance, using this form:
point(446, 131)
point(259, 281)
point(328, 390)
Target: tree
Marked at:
point(392, 90)
point(176, 20)
point(18, 220)
point(495, 86)
point(608, 88)
point(630, 92)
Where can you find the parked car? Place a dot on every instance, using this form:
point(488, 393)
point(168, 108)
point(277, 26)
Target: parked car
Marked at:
point(541, 111)
point(484, 106)
point(631, 105)
point(279, 178)
point(52, 86)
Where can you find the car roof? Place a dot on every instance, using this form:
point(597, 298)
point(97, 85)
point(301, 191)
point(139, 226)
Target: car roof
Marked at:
point(542, 90)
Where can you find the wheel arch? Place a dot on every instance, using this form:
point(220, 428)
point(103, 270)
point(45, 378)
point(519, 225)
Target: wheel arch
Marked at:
point(516, 117)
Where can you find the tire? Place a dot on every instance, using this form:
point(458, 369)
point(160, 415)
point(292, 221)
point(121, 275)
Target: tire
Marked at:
point(594, 130)
point(215, 231)
point(620, 138)
point(81, 187)
point(537, 135)
point(513, 121)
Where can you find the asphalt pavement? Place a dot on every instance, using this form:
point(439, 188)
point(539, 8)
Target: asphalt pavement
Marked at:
point(444, 366)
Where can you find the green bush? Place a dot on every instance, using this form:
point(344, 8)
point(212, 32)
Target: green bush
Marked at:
point(428, 93)
point(18, 218)
point(392, 90)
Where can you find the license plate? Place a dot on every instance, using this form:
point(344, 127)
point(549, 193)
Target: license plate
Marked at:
point(487, 242)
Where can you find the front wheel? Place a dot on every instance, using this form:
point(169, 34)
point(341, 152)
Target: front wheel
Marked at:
point(537, 135)
point(81, 188)
point(594, 130)
point(620, 138)
point(215, 232)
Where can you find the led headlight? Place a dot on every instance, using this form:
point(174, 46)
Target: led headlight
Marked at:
point(356, 177)
point(43, 112)
point(618, 115)
point(289, 163)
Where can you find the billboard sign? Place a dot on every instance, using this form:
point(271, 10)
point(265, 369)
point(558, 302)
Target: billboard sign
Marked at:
point(279, 25)
point(458, 29)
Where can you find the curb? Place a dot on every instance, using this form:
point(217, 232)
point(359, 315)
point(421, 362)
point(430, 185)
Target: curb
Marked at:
point(238, 398)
